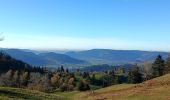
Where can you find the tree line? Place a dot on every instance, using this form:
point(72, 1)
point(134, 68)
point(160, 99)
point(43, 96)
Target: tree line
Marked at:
point(147, 70)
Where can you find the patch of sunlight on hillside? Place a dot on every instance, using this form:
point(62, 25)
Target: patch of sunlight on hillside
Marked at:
point(114, 88)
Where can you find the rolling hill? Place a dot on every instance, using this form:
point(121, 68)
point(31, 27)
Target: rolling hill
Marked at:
point(42, 59)
point(84, 58)
point(107, 56)
point(60, 58)
point(28, 57)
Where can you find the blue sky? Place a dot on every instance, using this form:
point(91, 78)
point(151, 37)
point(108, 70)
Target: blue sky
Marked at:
point(86, 24)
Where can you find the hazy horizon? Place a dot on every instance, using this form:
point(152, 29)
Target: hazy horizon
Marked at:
point(85, 24)
point(77, 50)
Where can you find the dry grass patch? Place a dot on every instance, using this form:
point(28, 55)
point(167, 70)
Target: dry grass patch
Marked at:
point(155, 89)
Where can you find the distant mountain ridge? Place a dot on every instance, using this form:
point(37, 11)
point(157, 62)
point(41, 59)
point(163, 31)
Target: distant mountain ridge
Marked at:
point(42, 59)
point(107, 56)
point(28, 57)
point(60, 58)
point(84, 58)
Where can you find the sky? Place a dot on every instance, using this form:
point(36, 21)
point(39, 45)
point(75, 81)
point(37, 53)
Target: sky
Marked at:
point(85, 24)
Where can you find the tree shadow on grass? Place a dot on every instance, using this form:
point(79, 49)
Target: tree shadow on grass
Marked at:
point(11, 94)
point(16, 95)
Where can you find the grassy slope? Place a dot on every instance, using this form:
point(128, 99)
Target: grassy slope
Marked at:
point(155, 89)
point(7, 93)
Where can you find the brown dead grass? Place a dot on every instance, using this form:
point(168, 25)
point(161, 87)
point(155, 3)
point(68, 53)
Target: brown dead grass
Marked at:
point(155, 89)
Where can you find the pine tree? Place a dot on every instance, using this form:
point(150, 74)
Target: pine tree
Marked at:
point(167, 69)
point(67, 71)
point(130, 76)
point(158, 67)
point(93, 79)
point(62, 68)
point(135, 76)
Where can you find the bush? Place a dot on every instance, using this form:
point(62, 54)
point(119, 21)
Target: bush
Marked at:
point(83, 86)
point(63, 87)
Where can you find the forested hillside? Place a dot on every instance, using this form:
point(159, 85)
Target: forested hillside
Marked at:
point(17, 74)
point(7, 63)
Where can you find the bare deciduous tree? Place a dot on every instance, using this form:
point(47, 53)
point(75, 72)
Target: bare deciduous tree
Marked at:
point(147, 68)
point(1, 37)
